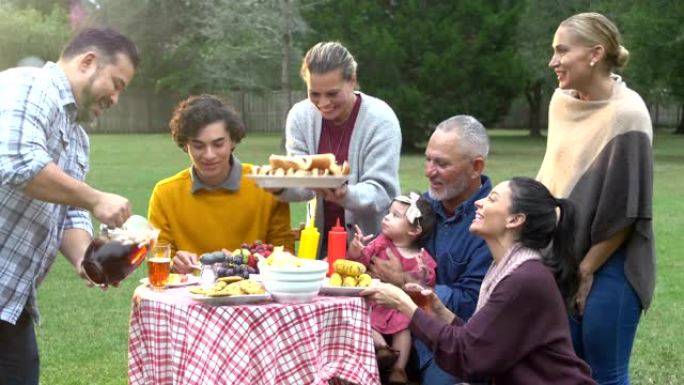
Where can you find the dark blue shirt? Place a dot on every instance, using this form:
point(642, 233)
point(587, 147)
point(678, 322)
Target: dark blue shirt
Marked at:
point(462, 258)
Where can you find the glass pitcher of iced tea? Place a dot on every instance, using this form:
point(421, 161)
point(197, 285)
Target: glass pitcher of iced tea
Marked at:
point(116, 253)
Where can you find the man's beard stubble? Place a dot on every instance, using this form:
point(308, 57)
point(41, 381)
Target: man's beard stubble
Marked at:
point(458, 187)
point(85, 115)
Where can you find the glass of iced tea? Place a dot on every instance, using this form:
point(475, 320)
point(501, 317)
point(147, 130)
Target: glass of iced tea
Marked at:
point(159, 266)
point(418, 298)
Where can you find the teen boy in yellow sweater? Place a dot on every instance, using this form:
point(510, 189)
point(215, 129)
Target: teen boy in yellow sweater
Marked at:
point(212, 205)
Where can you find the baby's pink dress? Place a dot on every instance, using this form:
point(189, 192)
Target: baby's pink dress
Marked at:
point(391, 321)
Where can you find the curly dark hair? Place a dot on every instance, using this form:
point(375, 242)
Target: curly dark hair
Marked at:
point(196, 112)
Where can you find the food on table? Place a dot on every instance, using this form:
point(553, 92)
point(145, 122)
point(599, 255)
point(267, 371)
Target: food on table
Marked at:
point(241, 262)
point(302, 165)
point(347, 267)
point(224, 264)
point(290, 279)
point(222, 288)
point(349, 281)
point(364, 280)
point(230, 279)
point(335, 279)
point(175, 279)
point(251, 253)
point(213, 257)
point(349, 274)
point(249, 286)
point(283, 259)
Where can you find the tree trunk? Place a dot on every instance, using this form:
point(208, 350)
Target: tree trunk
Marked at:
point(533, 94)
point(285, 62)
point(680, 127)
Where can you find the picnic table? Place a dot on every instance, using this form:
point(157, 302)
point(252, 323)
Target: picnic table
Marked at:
point(176, 340)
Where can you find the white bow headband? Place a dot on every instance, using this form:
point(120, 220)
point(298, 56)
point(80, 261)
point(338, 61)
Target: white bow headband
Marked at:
point(412, 213)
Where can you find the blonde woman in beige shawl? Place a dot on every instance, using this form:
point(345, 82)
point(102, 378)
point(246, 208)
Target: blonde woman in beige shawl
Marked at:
point(599, 156)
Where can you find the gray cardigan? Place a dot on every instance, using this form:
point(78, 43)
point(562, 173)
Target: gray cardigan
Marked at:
point(374, 152)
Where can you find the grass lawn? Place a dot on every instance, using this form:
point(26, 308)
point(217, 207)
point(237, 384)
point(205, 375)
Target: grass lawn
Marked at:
point(83, 337)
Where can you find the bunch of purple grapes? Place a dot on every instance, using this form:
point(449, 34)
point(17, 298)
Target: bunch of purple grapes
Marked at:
point(227, 265)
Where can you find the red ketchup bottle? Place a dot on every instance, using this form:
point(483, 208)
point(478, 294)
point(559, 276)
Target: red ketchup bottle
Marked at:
point(337, 245)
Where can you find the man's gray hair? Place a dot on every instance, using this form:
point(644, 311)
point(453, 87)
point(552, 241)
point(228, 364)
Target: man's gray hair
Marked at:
point(471, 133)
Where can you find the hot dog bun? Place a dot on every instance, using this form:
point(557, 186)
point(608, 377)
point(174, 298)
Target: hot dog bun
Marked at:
point(287, 162)
point(302, 162)
point(322, 161)
point(302, 165)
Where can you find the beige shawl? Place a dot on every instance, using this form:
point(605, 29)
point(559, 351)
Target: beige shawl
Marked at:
point(599, 156)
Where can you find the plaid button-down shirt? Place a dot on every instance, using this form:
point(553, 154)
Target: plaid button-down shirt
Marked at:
point(37, 126)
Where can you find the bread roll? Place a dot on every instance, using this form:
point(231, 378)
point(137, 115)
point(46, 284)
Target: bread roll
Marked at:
point(289, 162)
point(322, 161)
point(345, 168)
point(301, 165)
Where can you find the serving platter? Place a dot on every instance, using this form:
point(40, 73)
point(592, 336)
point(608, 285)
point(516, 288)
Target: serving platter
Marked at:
point(325, 181)
point(191, 280)
point(231, 299)
point(326, 289)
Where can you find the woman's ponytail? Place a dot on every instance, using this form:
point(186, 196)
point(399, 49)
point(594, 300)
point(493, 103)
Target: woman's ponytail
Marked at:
point(544, 225)
point(563, 260)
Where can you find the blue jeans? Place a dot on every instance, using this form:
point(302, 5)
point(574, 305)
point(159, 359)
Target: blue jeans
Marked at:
point(19, 364)
point(434, 375)
point(605, 335)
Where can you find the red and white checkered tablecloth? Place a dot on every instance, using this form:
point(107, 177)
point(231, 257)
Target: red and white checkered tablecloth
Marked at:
point(174, 340)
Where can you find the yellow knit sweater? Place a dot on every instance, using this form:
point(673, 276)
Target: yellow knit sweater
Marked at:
point(211, 220)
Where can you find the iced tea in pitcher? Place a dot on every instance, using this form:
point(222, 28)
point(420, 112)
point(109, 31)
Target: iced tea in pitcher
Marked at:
point(116, 253)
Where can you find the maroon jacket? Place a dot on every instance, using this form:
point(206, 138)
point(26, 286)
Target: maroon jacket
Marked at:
point(520, 336)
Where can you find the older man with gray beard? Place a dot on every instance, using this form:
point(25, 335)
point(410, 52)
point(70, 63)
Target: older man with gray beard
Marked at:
point(454, 161)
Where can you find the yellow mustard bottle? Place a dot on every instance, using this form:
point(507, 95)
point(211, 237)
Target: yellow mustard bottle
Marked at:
point(308, 242)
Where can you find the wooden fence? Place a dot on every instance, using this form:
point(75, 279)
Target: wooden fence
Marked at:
point(148, 112)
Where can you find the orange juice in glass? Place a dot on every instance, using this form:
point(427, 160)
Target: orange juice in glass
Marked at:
point(159, 266)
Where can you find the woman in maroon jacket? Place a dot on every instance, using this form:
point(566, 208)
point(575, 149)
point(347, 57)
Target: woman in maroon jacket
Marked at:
point(519, 333)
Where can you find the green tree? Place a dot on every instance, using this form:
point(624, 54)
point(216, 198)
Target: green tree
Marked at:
point(428, 59)
point(655, 35)
point(205, 46)
point(43, 6)
point(535, 32)
point(27, 32)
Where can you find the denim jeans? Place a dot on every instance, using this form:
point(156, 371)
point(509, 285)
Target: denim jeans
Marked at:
point(19, 364)
point(604, 336)
point(433, 374)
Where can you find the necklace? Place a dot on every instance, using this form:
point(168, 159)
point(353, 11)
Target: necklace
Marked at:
point(332, 127)
point(340, 139)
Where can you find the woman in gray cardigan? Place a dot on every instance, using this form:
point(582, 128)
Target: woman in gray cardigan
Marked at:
point(355, 127)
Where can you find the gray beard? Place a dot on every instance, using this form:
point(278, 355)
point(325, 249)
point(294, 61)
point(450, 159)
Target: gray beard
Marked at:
point(451, 191)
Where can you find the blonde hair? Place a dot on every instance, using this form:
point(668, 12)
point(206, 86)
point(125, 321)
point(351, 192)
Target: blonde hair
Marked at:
point(595, 29)
point(328, 56)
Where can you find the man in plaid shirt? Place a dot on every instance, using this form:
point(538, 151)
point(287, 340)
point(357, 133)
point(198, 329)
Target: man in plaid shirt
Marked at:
point(44, 201)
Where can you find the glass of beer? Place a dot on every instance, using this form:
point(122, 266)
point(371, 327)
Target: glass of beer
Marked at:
point(159, 266)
